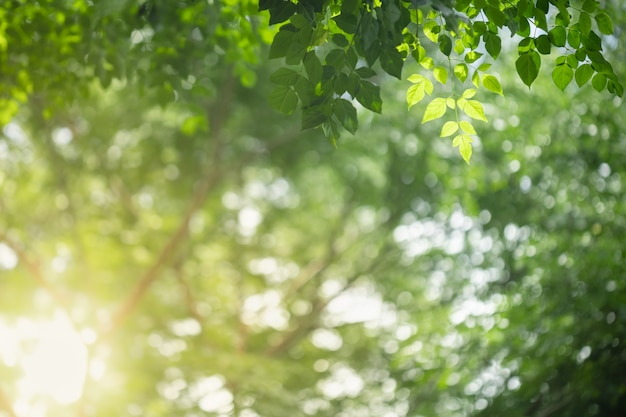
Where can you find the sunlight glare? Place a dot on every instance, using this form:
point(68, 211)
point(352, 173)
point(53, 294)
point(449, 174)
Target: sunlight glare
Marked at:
point(57, 365)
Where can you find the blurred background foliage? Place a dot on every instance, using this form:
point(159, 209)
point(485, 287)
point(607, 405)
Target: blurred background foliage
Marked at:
point(171, 246)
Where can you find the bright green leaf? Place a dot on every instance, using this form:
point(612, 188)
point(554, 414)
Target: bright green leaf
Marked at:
point(440, 74)
point(435, 109)
point(469, 93)
point(448, 129)
point(474, 109)
point(460, 70)
point(467, 127)
point(491, 83)
point(414, 94)
point(605, 24)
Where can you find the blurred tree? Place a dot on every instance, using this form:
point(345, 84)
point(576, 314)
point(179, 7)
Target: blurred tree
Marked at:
point(187, 251)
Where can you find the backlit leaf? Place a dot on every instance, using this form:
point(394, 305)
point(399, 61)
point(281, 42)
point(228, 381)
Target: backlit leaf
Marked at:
point(440, 74)
point(448, 129)
point(460, 70)
point(491, 83)
point(474, 109)
point(435, 109)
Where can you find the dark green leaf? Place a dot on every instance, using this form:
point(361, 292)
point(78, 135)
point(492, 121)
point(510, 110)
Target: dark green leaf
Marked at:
point(283, 99)
point(365, 72)
point(593, 42)
point(391, 60)
point(314, 116)
point(281, 43)
point(313, 67)
point(281, 11)
point(346, 113)
point(346, 22)
point(284, 76)
point(369, 96)
point(445, 45)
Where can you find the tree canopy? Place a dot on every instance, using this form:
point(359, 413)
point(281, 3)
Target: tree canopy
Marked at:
point(171, 245)
point(333, 51)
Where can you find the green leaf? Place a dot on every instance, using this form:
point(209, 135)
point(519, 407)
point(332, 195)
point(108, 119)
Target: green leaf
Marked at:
point(469, 93)
point(472, 56)
point(281, 43)
point(493, 44)
point(593, 42)
point(365, 72)
point(346, 113)
point(391, 60)
point(369, 97)
point(562, 75)
point(583, 74)
point(604, 22)
point(451, 103)
point(527, 66)
point(427, 63)
point(440, 74)
point(313, 67)
point(435, 109)
point(314, 116)
point(573, 38)
point(543, 44)
point(415, 94)
point(445, 45)
point(590, 5)
point(283, 99)
point(558, 36)
point(431, 30)
point(284, 76)
point(474, 109)
point(598, 82)
point(281, 11)
point(464, 143)
point(461, 72)
point(467, 127)
point(584, 24)
point(448, 129)
point(476, 79)
point(491, 83)
point(346, 22)
point(416, 78)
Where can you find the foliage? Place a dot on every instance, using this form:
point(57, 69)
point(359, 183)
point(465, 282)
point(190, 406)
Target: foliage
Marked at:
point(334, 46)
point(209, 258)
point(334, 51)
